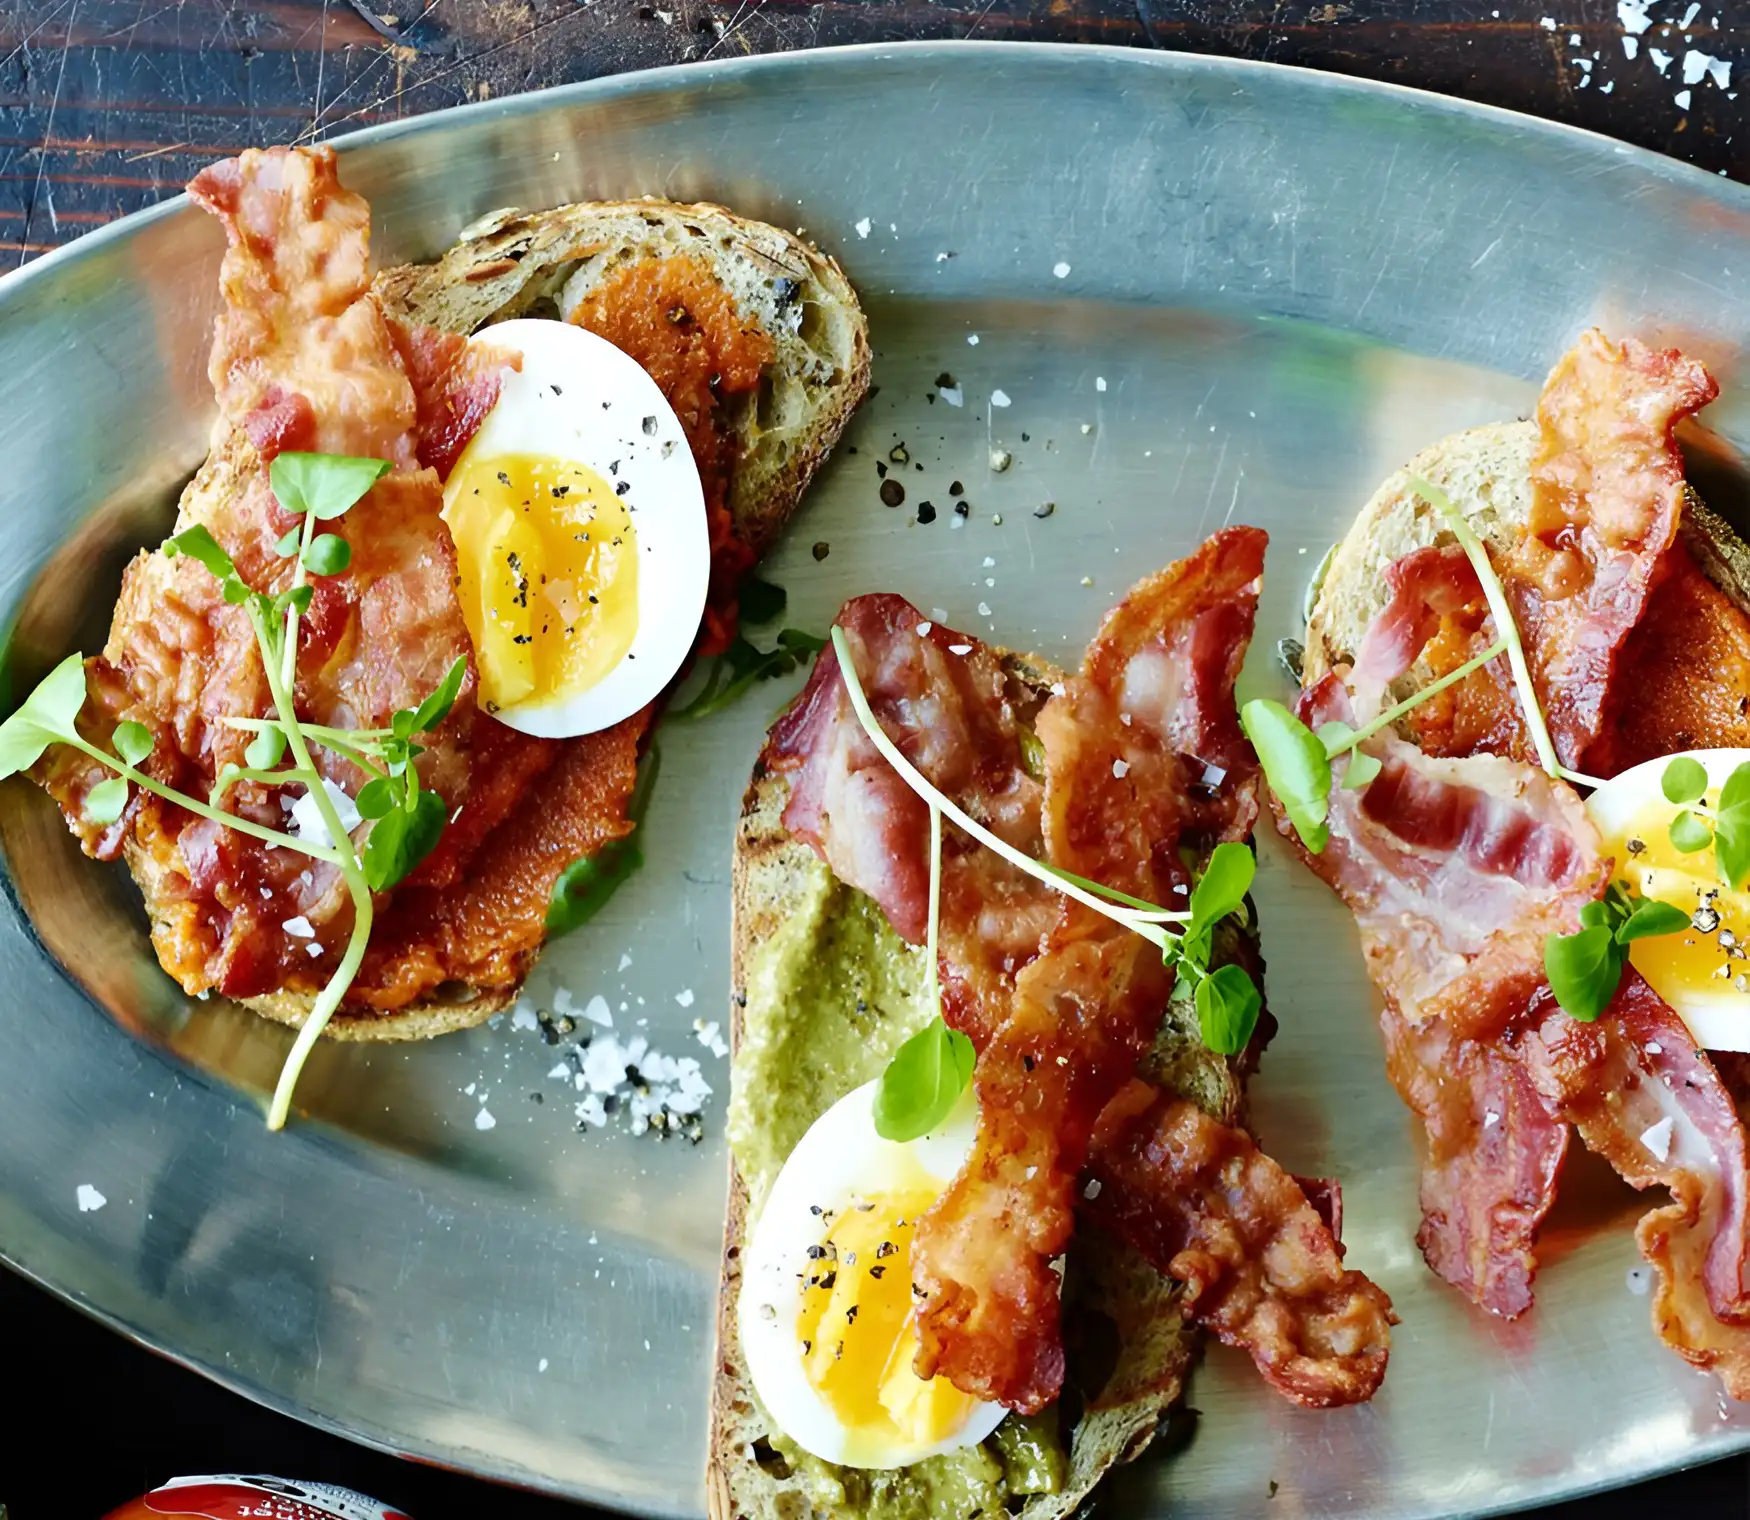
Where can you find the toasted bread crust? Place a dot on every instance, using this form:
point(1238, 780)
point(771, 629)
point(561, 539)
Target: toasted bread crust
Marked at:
point(1158, 1348)
point(515, 265)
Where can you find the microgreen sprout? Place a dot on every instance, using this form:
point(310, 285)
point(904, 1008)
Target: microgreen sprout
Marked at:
point(1226, 998)
point(405, 820)
point(1585, 968)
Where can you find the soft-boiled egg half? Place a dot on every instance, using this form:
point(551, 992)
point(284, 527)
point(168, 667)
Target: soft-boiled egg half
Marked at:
point(581, 542)
point(826, 1309)
point(1703, 972)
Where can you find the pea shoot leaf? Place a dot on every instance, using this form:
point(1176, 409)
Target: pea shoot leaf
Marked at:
point(376, 797)
point(1689, 833)
point(1361, 769)
point(105, 801)
point(1651, 917)
point(266, 750)
point(1737, 788)
point(132, 741)
point(923, 1082)
point(328, 554)
point(1227, 1009)
point(435, 708)
point(1684, 780)
point(324, 485)
point(287, 545)
point(200, 545)
point(1224, 883)
point(1583, 970)
point(585, 885)
point(46, 715)
point(1732, 843)
point(1295, 764)
point(401, 838)
point(742, 664)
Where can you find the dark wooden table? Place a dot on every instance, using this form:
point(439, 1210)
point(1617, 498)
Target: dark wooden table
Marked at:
point(109, 105)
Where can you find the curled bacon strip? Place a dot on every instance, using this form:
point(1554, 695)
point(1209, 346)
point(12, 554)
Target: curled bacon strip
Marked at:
point(1646, 1099)
point(1494, 1156)
point(1262, 1268)
point(1020, 974)
point(1607, 492)
point(1119, 801)
point(1455, 869)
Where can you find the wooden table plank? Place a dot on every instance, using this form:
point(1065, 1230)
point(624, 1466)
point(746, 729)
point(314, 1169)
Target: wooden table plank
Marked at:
point(108, 105)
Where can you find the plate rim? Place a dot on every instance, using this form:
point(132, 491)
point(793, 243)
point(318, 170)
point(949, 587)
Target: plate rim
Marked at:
point(17, 286)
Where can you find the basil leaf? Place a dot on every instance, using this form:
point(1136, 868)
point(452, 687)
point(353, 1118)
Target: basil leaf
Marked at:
point(1684, 780)
point(1732, 844)
point(324, 485)
point(742, 664)
point(923, 1082)
point(328, 554)
point(1295, 764)
point(47, 714)
point(266, 750)
point(132, 741)
point(288, 543)
point(1583, 970)
point(1737, 787)
point(1227, 1009)
point(105, 801)
point(761, 601)
point(585, 885)
point(435, 708)
point(1361, 769)
point(1595, 915)
point(1689, 833)
point(1651, 917)
point(1223, 885)
point(200, 545)
point(400, 839)
point(376, 797)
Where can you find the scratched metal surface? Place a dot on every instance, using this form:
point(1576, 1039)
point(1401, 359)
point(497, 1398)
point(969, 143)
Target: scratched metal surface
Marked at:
point(1232, 293)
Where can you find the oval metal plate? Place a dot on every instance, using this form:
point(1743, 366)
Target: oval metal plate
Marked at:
point(1209, 291)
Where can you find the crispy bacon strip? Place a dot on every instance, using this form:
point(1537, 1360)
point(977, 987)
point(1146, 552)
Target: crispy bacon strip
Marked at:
point(1646, 1099)
point(1119, 800)
point(1261, 1267)
point(1494, 1156)
point(1600, 546)
point(1607, 487)
point(995, 919)
point(1456, 870)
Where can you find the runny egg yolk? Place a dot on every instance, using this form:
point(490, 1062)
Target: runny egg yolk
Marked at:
point(548, 574)
point(1710, 956)
point(858, 1332)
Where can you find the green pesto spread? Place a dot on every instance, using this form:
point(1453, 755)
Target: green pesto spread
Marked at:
point(830, 996)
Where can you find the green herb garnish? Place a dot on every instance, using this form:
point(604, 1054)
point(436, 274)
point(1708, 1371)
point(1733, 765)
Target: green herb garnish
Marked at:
point(744, 663)
point(406, 821)
point(585, 885)
point(1225, 1014)
point(1724, 824)
point(1585, 968)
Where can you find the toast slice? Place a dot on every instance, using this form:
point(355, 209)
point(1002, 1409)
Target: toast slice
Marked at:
point(543, 263)
point(1129, 1348)
point(540, 264)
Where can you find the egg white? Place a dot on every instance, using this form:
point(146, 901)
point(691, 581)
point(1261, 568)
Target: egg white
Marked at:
point(1718, 1016)
point(576, 397)
point(841, 1158)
